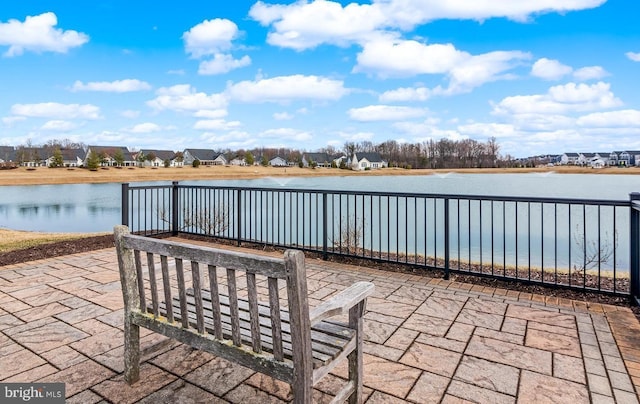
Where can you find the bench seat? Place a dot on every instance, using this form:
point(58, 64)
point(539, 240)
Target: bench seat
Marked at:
point(328, 339)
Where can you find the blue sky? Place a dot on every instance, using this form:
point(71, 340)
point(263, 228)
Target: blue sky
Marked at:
point(542, 76)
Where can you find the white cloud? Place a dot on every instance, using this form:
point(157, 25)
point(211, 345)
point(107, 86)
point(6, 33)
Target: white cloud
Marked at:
point(406, 94)
point(550, 69)
point(10, 120)
point(147, 127)
point(58, 126)
point(222, 63)
point(130, 113)
point(487, 130)
point(287, 88)
point(216, 124)
point(210, 37)
point(356, 136)
point(37, 34)
point(117, 86)
point(183, 97)
point(388, 57)
point(302, 25)
point(56, 110)
point(590, 73)
point(282, 116)
point(635, 56)
point(214, 38)
point(385, 113)
point(286, 134)
point(211, 114)
point(178, 72)
point(628, 118)
point(561, 99)
point(233, 139)
point(427, 130)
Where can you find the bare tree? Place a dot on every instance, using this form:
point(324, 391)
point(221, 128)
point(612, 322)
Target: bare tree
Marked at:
point(593, 253)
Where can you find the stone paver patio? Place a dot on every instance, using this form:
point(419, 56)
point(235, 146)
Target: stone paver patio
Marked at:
point(427, 340)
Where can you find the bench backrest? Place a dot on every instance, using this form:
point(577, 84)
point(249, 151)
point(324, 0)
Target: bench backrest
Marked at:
point(224, 269)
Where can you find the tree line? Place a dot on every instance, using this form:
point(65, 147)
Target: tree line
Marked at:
point(443, 153)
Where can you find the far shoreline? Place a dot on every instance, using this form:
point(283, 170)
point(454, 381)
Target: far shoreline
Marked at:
point(53, 176)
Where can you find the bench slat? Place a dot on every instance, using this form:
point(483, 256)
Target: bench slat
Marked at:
point(138, 262)
point(153, 283)
point(166, 285)
point(182, 292)
point(215, 301)
point(233, 306)
point(197, 294)
point(274, 308)
point(253, 313)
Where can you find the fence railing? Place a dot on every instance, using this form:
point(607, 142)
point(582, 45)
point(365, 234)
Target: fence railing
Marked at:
point(582, 244)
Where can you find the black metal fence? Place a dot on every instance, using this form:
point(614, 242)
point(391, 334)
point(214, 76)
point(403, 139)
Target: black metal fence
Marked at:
point(577, 243)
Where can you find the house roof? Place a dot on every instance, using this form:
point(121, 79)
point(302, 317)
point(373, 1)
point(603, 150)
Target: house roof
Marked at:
point(161, 154)
point(371, 157)
point(110, 151)
point(202, 154)
point(571, 154)
point(72, 154)
point(318, 157)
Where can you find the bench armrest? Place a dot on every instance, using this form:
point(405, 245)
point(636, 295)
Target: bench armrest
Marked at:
point(342, 302)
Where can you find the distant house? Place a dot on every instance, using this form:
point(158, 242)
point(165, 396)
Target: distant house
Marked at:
point(238, 161)
point(569, 159)
point(584, 159)
point(205, 156)
point(367, 161)
point(7, 154)
point(278, 161)
point(109, 154)
point(317, 159)
point(159, 157)
point(634, 157)
point(70, 157)
point(220, 160)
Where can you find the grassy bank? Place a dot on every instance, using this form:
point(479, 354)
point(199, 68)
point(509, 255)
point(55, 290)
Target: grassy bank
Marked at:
point(43, 175)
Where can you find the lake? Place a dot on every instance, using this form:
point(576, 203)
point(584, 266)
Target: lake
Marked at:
point(96, 207)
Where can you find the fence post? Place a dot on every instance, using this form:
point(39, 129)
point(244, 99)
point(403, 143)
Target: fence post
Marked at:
point(239, 217)
point(634, 247)
point(447, 269)
point(124, 204)
point(325, 232)
point(174, 208)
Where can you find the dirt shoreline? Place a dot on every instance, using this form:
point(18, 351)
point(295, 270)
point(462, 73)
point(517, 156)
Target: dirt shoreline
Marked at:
point(51, 176)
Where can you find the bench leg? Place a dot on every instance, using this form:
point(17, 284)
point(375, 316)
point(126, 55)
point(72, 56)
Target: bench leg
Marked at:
point(355, 357)
point(131, 352)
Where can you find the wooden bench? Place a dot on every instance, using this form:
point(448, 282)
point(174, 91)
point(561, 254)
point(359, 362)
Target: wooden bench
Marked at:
point(281, 337)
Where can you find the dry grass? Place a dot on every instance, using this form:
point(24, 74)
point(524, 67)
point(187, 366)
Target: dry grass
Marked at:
point(11, 240)
point(43, 175)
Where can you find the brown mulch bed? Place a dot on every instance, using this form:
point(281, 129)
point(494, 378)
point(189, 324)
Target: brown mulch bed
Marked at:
point(56, 249)
point(106, 241)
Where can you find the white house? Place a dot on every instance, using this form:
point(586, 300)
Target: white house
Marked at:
point(569, 158)
point(367, 161)
point(204, 156)
point(278, 161)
